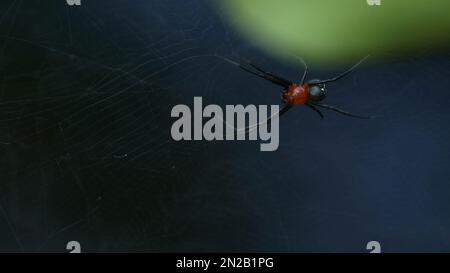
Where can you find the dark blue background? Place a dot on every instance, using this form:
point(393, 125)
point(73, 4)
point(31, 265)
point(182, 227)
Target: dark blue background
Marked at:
point(86, 153)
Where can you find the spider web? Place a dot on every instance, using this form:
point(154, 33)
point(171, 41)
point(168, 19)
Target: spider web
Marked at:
point(86, 94)
point(86, 154)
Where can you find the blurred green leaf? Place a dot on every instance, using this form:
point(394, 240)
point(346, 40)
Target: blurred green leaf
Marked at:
point(340, 30)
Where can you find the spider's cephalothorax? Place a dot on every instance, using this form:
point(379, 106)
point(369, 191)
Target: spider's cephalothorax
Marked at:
point(317, 92)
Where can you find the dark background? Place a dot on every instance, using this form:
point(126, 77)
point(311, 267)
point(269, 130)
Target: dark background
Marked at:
point(86, 153)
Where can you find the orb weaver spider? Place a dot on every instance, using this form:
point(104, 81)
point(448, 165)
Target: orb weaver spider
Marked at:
point(307, 92)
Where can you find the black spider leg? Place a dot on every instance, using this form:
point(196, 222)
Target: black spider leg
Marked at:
point(282, 111)
point(315, 109)
point(343, 74)
point(261, 73)
point(267, 75)
point(329, 107)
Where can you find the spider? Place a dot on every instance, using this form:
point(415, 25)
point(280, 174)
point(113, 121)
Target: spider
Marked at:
point(307, 92)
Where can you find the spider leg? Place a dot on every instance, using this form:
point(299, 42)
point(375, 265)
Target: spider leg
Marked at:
point(282, 111)
point(279, 79)
point(304, 73)
point(266, 77)
point(261, 73)
point(329, 107)
point(338, 77)
point(315, 109)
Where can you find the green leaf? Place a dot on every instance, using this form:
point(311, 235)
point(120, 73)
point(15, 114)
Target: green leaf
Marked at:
point(341, 30)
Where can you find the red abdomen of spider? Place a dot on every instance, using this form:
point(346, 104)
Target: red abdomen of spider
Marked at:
point(296, 94)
